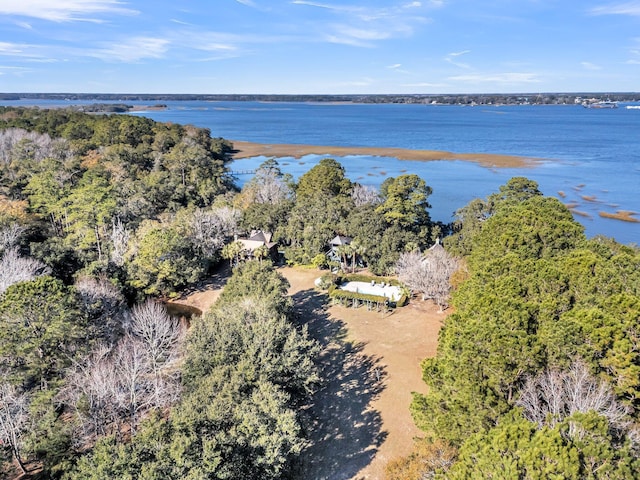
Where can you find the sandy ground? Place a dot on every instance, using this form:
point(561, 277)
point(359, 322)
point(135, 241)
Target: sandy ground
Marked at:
point(359, 418)
point(248, 149)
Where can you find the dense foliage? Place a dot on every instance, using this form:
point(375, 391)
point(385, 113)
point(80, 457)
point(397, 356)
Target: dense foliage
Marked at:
point(246, 369)
point(100, 212)
point(540, 298)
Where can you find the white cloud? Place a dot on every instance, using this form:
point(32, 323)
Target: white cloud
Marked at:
point(248, 3)
point(425, 85)
point(132, 50)
point(450, 58)
point(315, 4)
point(503, 78)
point(24, 51)
point(64, 10)
point(7, 48)
point(590, 66)
point(365, 26)
point(17, 71)
point(628, 8)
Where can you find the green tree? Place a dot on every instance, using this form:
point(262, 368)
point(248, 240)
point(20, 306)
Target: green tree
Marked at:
point(515, 448)
point(42, 330)
point(327, 179)
point(405, 201)
point(91, 208)
point(163, 260)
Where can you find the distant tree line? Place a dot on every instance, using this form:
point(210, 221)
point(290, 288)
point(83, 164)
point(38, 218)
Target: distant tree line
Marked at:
point(532, 98)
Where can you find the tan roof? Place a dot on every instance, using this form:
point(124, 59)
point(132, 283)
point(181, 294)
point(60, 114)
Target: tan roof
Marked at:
point(257, 239)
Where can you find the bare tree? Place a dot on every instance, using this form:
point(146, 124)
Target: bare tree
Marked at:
point(90, 390)
point(555, 395)
point(210, 229)
point(9, 235)
point(119, 240)
point(13, 420)
point(117, 385)
point(19, 144)
point(14, 269)
point(428, 273)
point(365, 195)
point(268, 185)
point(133, 374)
point(161, 336)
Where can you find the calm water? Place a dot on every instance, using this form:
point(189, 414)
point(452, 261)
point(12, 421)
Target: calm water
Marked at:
point(592, 156)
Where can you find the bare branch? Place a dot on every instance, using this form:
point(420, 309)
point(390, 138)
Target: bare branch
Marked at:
point(555, 395)
point(365, 195)
point(14, 269)
point(9, 236)
point(13, 420)
point(429, 273)
point(211, 229)
point(119, 240)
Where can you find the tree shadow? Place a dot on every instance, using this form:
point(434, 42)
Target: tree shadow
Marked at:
point(214, 280)
point(345, 431)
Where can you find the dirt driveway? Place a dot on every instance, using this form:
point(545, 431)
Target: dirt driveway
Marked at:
point(359, 418)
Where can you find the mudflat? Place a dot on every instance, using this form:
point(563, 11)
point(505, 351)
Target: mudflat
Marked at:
point(249, 149)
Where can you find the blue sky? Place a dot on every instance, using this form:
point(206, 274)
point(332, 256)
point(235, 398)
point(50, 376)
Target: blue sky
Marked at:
point(324, 46)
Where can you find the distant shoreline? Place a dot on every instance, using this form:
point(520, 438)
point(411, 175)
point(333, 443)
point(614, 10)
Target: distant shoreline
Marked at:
point(244, 149)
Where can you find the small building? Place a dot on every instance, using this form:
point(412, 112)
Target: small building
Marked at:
point(257, 239)
point(340, 240)
point(337, 242)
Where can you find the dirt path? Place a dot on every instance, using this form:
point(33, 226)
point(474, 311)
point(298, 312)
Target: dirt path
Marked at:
point(360, 417)
point(371, 365)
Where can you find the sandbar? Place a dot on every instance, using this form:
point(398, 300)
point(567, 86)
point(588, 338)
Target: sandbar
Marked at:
point(243, 149)
point(624, 215)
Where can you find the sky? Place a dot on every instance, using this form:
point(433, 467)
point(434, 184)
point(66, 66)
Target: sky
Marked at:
point(319, 47)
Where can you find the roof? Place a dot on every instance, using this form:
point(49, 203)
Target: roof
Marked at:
point(341, 240)
point(257, 239)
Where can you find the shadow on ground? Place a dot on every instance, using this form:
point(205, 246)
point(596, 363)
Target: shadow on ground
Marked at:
point(214, 281)
point(345, 431)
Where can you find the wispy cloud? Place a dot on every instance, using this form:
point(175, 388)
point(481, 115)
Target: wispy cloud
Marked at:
point(7, 48)
point(635, 55)
point(64, 10)
point(316, 4)
point(590, 66)
point(359, 37)
point(25, 25)
point(425, 85)
point(17, 71)
point(132, 50)
point(451, 58)
point(23, 51)
point(248, 3)
point(397, 67)
point(501, 78)
point(627, 8)
point(365, 26)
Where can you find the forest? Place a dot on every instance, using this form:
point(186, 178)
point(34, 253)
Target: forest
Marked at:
point(103, 217)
